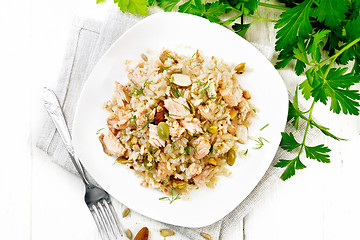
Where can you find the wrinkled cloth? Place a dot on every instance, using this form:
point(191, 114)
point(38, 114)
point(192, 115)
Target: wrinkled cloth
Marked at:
point(89, 39)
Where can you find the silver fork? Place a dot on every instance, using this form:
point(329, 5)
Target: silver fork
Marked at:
point(97, 199)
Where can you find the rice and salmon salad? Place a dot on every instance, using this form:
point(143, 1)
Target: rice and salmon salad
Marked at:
point(179, 121)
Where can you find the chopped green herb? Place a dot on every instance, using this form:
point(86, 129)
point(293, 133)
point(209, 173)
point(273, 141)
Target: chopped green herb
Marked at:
point(147, 123)
point(175, 92)
point(169, 56)
point(264, 127)
point(164, 68)
point(172, 198)
point(98, 131)
point(152, 150)
point(187, 149)
point(169, 115)
point(138, 92)
point(186, 107)
point(212, 148)
point(133, 117)
point(260, 142)
point(254, 110)
point(246, 152)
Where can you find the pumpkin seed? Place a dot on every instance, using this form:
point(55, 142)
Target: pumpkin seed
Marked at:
point(239, 69)
point(179, 184)
point(163, 130)
point(144, 57)
point(205, 235)
point(166, 232)
point(125, 212)
point(231, 156)
point(128, 233)
point(149, 162)
point(123, 160)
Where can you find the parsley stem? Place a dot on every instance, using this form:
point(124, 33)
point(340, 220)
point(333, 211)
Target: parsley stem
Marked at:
point(307, 127)
point(261, 19)
point(273, 6)
point(340, 52)
point(230, 20)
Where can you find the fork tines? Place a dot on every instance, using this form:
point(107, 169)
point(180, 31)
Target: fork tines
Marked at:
point(106, 221)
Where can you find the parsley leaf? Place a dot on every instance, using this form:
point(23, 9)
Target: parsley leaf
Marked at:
point(214, 10)
point(167, 5)
point(315, 43)
point(133, 6)
point(336, 87)
point(325, 131)
point(290, 165)
point(332, 11)
point(240, 29)
point(294, 22)
point(185, 7)
point(288, 142)
point(318, 153)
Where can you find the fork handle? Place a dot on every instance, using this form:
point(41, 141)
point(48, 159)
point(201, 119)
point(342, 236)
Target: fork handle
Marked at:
point(52, 106)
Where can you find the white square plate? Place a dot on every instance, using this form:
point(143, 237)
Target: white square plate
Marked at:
point(183, 33)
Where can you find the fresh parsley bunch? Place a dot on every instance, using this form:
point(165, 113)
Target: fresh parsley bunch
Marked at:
point(319, 36)
point(307, 30)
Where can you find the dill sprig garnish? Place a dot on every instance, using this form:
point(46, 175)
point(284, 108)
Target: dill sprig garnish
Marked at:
point(175, 92)
point(147, 123)
point(260, 142)
point(264, 127)
point(138, 91)
point(172, 198)
point(98, 131)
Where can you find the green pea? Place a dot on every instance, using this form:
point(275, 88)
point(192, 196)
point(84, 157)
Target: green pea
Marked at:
point(163, 130)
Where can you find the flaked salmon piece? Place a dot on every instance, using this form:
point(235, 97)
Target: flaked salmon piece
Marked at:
point(193, 169)
point(124, 118)
point(140, 118)
point(111, 145)
point(245, 109)
point(207, 111)
point(154, 138)
point(175, 129)
point(192, 125)
point(202, 147)
point(111, 122)
point(120, 95)
point(232, 96)
point(178, 108)
point(162, 171)
point(200, 180)
point(232, 129)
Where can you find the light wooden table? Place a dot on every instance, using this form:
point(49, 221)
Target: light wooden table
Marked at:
point(39, 200)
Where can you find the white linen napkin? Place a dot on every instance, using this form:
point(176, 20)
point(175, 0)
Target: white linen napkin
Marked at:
point(88, 41)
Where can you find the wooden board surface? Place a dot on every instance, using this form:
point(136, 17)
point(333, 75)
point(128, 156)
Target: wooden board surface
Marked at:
point(40, 200)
